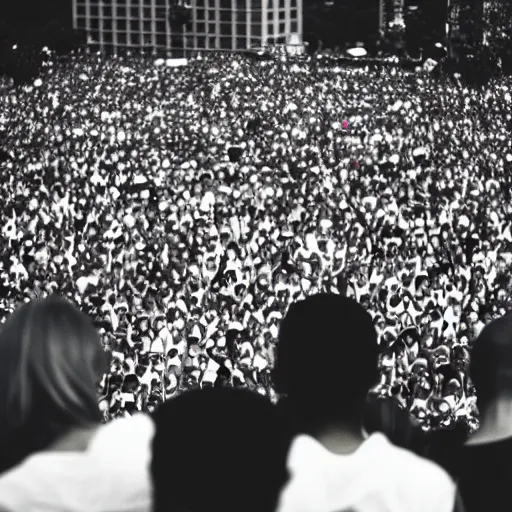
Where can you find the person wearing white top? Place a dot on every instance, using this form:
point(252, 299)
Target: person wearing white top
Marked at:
point(326, 362)
point(112, 474)
point(54, 453)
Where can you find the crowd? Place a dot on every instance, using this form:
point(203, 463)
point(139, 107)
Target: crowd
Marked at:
point(185, 208)
point(224, 448)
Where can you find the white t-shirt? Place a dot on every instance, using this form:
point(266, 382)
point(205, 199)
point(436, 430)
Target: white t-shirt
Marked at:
point(111, 476)
point(378, 477)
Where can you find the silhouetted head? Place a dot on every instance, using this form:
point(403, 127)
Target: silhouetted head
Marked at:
point(327, 359)
point(491, 362)
point(219, 449)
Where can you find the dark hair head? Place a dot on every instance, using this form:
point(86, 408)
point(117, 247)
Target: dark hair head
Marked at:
point(491, 361)
point(219, 449)
point(327, 357)
point(51, 362)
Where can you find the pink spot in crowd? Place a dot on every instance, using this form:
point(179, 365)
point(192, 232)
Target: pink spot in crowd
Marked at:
point(344, 124)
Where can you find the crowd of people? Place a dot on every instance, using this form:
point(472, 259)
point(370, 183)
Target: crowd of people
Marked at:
point(185, 208)
point(225, 448)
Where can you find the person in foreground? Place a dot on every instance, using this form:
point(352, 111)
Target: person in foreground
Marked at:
point(326, 363)
point(219, 449)
point(54, 452)
point(484, 471)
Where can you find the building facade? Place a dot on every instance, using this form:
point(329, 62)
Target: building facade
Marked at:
point(227, 25)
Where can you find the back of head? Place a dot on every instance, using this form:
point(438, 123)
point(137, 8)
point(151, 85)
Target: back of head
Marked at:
point(51, 362)
point(491, 361)
point(327, 359)
point(219, 449)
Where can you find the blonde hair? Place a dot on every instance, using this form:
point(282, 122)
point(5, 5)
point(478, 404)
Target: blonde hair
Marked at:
point(51, 361)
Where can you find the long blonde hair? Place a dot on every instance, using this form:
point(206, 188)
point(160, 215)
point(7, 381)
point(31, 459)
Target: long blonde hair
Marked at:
point(51, 361)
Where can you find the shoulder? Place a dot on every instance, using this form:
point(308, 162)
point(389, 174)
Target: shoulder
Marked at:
point(418, 469)
point(136, 423)
point(126, 433)
point(425, 470)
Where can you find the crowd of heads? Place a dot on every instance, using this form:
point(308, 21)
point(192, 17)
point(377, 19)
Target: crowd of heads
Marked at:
point(184, 209)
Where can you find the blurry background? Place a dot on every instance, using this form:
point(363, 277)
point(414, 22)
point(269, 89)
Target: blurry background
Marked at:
point(240, 24)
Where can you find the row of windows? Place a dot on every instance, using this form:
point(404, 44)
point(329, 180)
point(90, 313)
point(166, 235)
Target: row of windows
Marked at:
point(242, 30)
point(220, 43)
point(161, 26)
point(148, 24)
point(123, 25)
point(135, 41)
point(190, 42)
point(239, 27)
point(206, 42)
point(94, 28)
point(121, 12)
point(132, 7)
point(199, 14)
point(203, 14)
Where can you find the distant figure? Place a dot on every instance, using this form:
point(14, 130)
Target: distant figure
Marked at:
point(326, 363)
point(54, 452)
point(219, 449)
point(485, 467)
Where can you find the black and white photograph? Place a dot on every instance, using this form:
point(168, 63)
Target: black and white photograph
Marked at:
point(255, 255)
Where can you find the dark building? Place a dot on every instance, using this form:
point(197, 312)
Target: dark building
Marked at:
point(28, 17)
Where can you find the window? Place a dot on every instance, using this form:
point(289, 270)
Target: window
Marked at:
point(134, 25)
point(135, 39)
point(147, 26)
point(161, 40)
point(134, 12)
point(161, 26)
point(201, 41)
point(225, 16)
point(121, 38)
point(241, 29)
point(147, 12)
point(282, 28)
point(201, 27)
point(80, 10)
point(212, 42)
point(225, 30)
point(282, 14)
point(121, 25)
point(200, 14)
point(294, 26)
point(225, 43)
point(212, 28)
point(121, 12)
point(225, 4)
point(241, 42)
